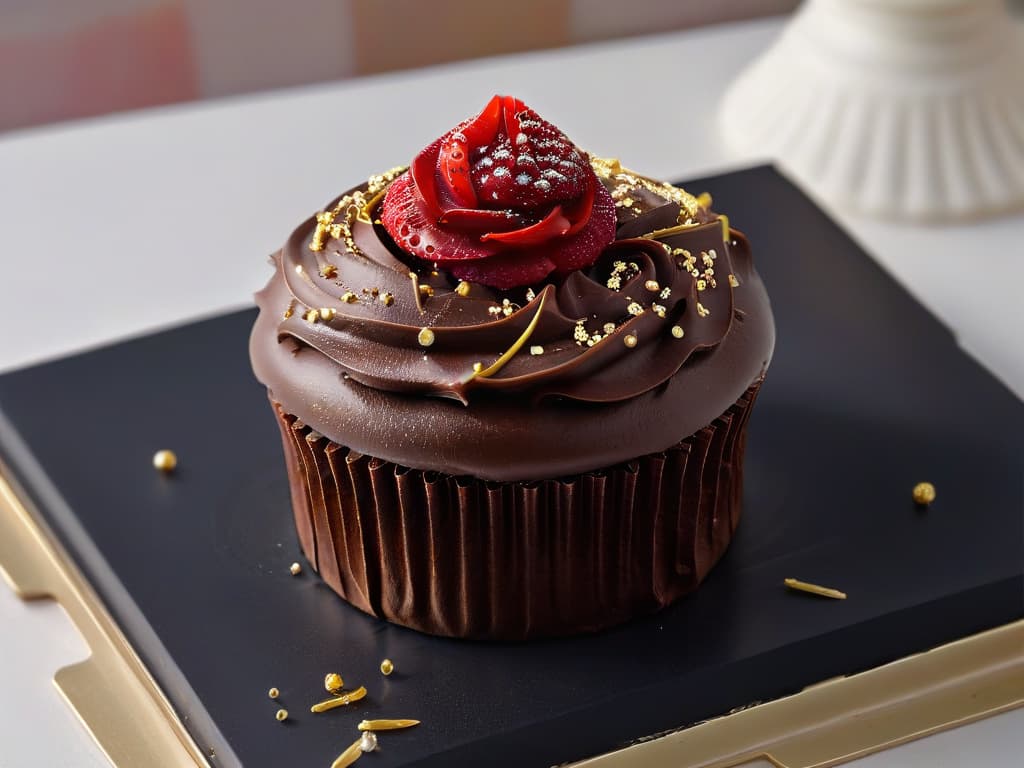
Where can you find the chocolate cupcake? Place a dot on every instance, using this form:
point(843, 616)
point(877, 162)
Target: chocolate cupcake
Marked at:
point(513, 383)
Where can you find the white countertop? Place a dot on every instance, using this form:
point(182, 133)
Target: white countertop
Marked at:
point(118, 226)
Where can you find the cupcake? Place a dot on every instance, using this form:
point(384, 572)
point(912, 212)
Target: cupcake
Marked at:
point(513, 383)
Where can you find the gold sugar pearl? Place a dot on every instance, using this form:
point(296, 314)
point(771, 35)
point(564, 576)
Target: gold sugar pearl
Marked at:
point(387, 667)
point(295, 569)
point(281, 715)
point(630, 340)
point(273, 693)
point(652, 286)
point(165, 460)
point(333, 682)
point(327, 314)
point(924, 494)
point(678, 332)
point(425, 337)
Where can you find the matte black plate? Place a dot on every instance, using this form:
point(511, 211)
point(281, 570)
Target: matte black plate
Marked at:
point(868, 394)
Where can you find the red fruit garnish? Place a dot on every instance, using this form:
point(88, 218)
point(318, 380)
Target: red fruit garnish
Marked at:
point(507, 191)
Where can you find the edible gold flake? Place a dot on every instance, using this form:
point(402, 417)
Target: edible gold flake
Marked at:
point(289, 310)
point(416, 291)
point(701, 285)
point(295, 569)
point(536, 349)
point(702, 310)
point(387, 299)
point(665, 293)
point(328, 271)
point(814, 589)
point(530, 295)
point(165, 460)
point(327, 314)
point(350, 755)
point(652, 286)
point(477, 367)
point(339, 701)
point(333, 682)
point(704, 199)
point(386, 725)
point(273, 693)
point(614, 282)
point(923, 494)
point(658, 310)
point(509, 353)
point(462, 288)
point(426, 290)
point(630, 340)
point(635, 309)
point(678, 332)
point(324, 220)
point(579, 333)
point(425, 337)
point(349, 298)
point(609, 327)
point(387, 667)
point(312, 316)
point(733, 281)
point(281, 715)
point(610, 168)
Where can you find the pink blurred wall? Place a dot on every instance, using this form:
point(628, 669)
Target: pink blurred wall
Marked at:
point(61, 59)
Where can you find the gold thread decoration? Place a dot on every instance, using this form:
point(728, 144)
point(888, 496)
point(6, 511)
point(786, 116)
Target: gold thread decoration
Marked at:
point(814, 589)
point(386, 725)
point(339, 701)
point(500, 363)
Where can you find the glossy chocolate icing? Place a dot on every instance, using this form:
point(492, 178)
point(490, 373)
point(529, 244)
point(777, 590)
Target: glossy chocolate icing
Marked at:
point(359, 374)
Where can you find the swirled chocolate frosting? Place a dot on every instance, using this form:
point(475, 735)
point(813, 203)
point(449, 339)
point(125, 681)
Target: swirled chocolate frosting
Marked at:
point(397, 359)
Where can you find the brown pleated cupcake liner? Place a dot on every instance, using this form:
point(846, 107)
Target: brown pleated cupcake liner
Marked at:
point(464, 557)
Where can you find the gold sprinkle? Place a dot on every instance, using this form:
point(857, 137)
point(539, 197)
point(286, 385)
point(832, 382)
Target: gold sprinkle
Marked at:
point(387, 299)
point(665, 293)
point(281, 715)
point(327, 314)
point(350, 755)
point(328, 271)
point(701, 285)
point(273, 693)
point(295, 569)
point(339, 701)
point(626, 202)
point(678, 332)
point(635, 309)
point(924, 494)
point(349, 298)
point(425, 337)
point(814, 589)
point(652, 286)
point(702, 310)
point(375, 291)
point(704, 199)
point(426, 290)
point(462, 288)
point(536, 349)
point(630, 340)
point(386, 725)
point(477, 367)
point(333, 682)
point(312, 316)
point(579, 333)
point(289, 310)
point(387, 667)
point(658, 310)
point(609, 327)
point(165, 460)
point(733, 281)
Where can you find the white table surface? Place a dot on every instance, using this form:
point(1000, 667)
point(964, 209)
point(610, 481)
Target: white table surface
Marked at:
point(118, 226)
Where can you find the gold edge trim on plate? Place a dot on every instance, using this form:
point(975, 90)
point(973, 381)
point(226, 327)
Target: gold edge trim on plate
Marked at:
point(111, 692)
point(838, 720)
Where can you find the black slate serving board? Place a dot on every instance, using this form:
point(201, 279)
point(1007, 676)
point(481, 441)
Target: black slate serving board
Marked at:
point(868, 394)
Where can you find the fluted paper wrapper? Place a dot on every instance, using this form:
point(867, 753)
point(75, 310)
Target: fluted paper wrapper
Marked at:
point(465, 557)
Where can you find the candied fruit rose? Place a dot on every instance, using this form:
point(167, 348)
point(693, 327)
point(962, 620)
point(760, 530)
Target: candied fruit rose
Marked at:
point(504, 199)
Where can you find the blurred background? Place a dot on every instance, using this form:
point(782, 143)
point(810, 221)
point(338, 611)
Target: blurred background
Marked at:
point(67, 59)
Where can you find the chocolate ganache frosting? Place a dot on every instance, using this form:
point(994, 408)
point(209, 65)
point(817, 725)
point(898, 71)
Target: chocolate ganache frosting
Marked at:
point(397, 359)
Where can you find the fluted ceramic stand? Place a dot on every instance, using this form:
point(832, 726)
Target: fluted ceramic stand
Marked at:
point(897, 108)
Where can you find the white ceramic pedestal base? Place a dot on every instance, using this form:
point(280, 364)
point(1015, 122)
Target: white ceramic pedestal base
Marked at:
point(897, 108)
